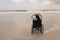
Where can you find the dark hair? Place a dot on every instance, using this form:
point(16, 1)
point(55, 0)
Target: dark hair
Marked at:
point(37, 16)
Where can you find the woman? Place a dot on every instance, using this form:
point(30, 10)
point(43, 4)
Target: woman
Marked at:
point(38, 22)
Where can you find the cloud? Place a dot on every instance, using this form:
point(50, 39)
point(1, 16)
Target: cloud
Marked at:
point(25, 1)
point(34, 1)
point(16, 0)
point(46, 2)
point(56, 2)
point(34, 4)
point(48, 5)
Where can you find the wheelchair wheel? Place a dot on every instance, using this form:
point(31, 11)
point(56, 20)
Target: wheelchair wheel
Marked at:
point(32, 31)
point(42, 29)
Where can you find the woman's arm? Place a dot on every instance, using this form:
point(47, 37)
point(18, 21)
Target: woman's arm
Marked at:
point(32, 15)
point(40, 15)
point(36, 14)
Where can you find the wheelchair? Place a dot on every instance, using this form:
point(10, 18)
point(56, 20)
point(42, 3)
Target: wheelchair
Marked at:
point(37, 25)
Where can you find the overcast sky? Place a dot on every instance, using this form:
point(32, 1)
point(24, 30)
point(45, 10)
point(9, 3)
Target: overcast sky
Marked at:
point(29, 4)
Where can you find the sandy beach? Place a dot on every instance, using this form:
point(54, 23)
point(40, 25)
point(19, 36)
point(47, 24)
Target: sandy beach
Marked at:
point(17, 26)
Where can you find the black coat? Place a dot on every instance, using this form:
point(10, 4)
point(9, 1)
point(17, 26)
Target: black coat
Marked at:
point(38, 22)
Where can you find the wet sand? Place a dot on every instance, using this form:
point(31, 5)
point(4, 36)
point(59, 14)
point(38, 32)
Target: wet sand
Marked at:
point(17, 26)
